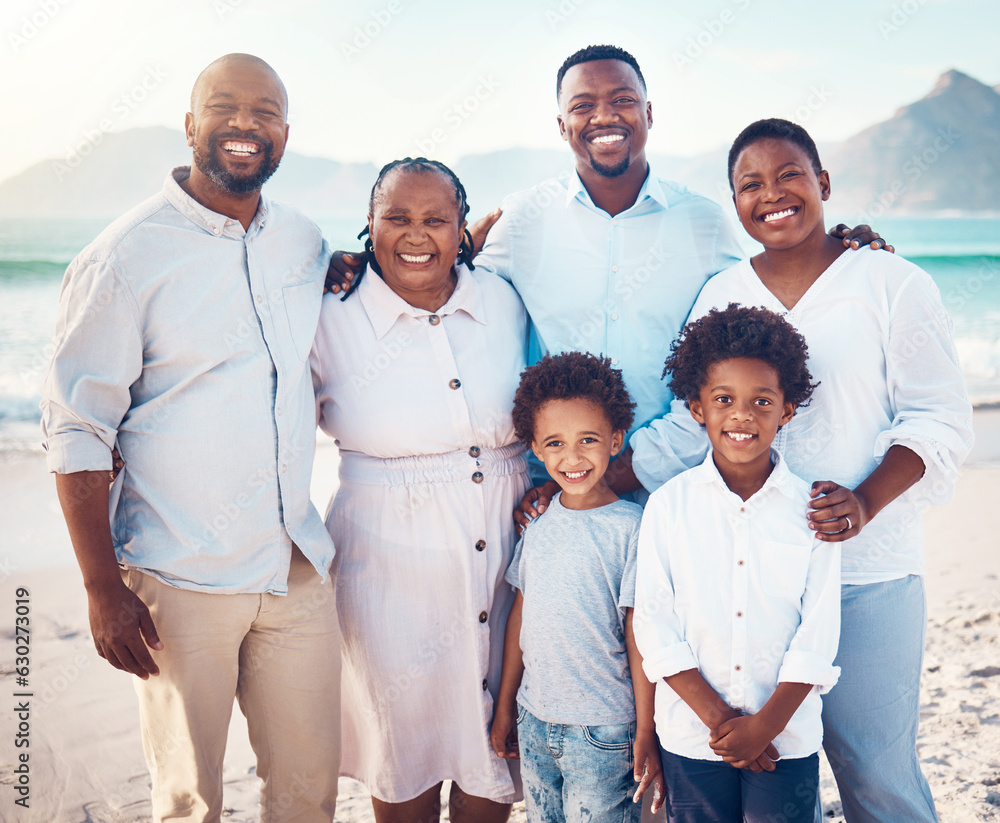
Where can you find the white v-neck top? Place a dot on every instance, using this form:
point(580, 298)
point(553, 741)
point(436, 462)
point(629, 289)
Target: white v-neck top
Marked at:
point(880, 343)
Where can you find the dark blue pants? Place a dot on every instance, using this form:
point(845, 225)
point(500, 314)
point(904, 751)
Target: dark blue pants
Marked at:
point(710, 791)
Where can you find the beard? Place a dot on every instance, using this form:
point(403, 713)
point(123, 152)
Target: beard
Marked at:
point(210, 165)
point(616, 170)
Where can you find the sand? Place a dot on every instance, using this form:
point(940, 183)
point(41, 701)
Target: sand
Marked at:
point(85, 762)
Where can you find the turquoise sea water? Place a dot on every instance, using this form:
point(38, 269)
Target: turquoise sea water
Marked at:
point(962, 254)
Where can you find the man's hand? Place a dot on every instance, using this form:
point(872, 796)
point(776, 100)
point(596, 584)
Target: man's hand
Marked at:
point(503, 732)
point(344, 267)
point(535, 501)
point(859, 236)
point(648, 768)
point(481, 228)
point(745, 742)
point(122, 629)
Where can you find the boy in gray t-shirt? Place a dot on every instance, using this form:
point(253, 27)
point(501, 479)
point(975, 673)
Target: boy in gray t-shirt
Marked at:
point(585, 732)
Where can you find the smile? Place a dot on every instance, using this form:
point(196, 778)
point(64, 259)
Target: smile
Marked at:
point(576, 475)
point(415, 258)
point(606, 139)
point(240, 149)
point(740, 437)
point(779, 215)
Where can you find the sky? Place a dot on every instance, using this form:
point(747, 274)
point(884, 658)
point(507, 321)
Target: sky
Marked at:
point(372, 80)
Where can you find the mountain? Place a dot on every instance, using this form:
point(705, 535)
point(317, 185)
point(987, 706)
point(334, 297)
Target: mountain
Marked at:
point(940, 153)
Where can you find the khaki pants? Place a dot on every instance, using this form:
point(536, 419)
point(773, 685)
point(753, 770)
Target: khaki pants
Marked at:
point(280, 657)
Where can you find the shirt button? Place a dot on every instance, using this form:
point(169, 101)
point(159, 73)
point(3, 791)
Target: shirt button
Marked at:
point(482, 617)
point(739, 614)
point(738, 667)
point(455, 384)
point(614, 316)
point(614, 268)
point(614, 361)
point(474, 451)
point(284, 468)
point(739, 562)
point(480, 545)
point(477, 477)
point(434, 319)
point(216, 230)
point(277, 411)
point(260, 299)
point(614, 222)
point(484, 684)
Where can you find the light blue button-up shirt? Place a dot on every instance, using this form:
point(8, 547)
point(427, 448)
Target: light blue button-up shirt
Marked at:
point(186, 339)
point(619, 286)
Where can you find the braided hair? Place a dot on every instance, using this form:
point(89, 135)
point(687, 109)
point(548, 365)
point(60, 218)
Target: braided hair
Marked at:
point(466, 249)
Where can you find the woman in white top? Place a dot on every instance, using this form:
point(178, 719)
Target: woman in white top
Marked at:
point(415, 372)
point(886, 431)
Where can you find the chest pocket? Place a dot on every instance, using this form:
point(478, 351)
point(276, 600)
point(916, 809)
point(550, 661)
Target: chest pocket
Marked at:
point(783, 568)
point(302, 304)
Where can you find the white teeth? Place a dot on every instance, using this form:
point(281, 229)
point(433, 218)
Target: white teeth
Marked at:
point(739, 436)
point(778, 215)
point(575, 475)
point(608, 138)
point(241, 149)
point(415, 258)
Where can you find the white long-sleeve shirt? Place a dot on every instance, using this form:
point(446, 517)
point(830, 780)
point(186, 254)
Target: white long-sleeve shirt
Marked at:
point(880, 345)
point(742, 591)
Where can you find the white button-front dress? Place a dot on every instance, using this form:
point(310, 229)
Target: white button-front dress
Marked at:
point(420, 405)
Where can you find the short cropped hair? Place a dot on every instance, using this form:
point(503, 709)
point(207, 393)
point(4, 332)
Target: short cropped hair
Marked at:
point(739, 331)
point(568, 376)
point(773, 128)
point(598, 53)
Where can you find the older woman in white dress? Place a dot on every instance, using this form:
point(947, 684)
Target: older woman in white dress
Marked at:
point(415, 372)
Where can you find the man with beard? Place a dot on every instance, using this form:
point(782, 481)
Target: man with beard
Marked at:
point(182, 339)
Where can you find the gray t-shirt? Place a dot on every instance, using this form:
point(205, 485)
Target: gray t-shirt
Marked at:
point(576, 570)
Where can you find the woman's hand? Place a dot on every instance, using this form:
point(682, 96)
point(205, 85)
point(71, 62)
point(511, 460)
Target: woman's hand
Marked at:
point(344, 266)
point(481, 228)
point(859, 236)
point(535, 501)
point(837, 513)
point(503, 732)
point(648, 768)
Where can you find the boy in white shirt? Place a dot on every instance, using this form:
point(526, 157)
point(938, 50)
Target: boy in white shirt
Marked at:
point(737, 605)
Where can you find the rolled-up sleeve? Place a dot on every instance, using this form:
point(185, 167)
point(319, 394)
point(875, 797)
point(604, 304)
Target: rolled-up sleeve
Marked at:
point(97, 355)
point(813, 648)
point(657, 628)
point(932, 414)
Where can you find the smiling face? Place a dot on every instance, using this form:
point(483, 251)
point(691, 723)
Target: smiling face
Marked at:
point(778, 195)
point(604, 116)
point(741, 405)
point(575, 441)
point(416, 230)
point(236, 126)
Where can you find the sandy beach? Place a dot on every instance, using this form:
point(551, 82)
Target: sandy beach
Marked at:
point(84, 756)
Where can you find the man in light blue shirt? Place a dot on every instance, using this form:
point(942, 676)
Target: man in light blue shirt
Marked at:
point(183, 339)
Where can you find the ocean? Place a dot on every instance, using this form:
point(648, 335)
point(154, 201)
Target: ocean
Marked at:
point(962, 254)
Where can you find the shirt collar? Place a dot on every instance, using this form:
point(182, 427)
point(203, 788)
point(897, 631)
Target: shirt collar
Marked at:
point(650, 188)
point(781, 478)
point(211, 221)
point(384, 307)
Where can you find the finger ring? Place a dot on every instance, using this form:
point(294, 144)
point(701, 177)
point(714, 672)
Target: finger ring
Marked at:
point(848, 519)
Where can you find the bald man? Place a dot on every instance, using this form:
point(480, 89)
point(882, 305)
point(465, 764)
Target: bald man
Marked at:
point(182, 339)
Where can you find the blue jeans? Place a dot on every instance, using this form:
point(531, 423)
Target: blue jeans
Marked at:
point(577, 773)
point(870, 717)
point(710, 791)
